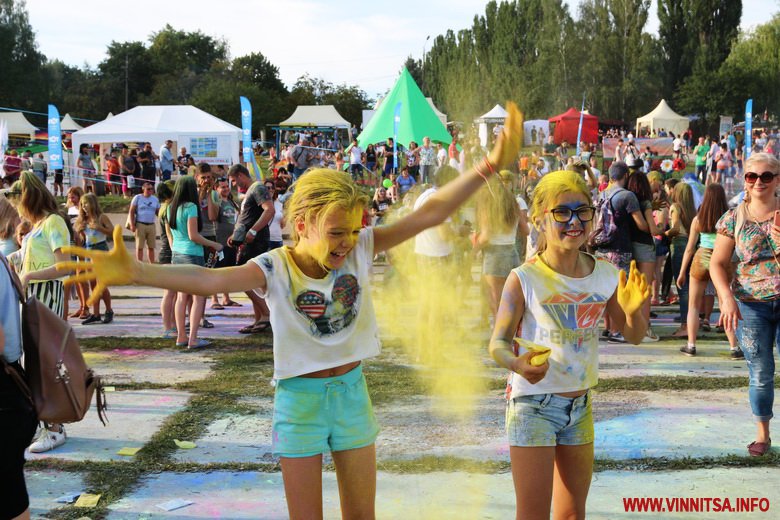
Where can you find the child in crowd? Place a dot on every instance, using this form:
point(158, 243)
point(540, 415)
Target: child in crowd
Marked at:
point(94, 227)
point(556, 300)
point(323, 319)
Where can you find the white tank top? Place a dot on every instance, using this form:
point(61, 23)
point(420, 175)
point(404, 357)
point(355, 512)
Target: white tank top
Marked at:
point(563, 313)
point(320, 323)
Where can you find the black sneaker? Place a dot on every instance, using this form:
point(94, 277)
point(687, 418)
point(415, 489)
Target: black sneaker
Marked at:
point(737, 354)
point(688, 351)
point(616, 338)
point(93, 318)
point(109, 317)
point(605, 334)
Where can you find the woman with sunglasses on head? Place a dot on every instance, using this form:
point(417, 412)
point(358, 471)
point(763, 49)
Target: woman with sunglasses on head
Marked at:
point(555, 301)
point(751, 304)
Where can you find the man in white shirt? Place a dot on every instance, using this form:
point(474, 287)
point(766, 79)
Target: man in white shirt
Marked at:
point(355, 159)
point(143, 217)
point(441, 155)
point(677, 145)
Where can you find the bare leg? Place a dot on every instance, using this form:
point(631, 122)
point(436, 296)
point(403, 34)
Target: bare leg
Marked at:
point(647, 269)
point(150, 250)
point(532, 473)
point(180, 311)
point(196, 313)
point(139, 253)
point(259, 306)
point(356, 474)
point(695, 297)
point(573, 473)
point(167, 305)
point(763, 431)
point(495, 287)
point(303, 486)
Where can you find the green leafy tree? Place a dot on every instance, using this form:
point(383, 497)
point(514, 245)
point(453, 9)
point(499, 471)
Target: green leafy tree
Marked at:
point(126, 64)
point(348, 100)
point(674, 36)
point(21, 64)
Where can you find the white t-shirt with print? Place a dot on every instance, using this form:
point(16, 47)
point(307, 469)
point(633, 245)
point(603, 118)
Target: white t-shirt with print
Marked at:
point(320, 323)
point(563, 313)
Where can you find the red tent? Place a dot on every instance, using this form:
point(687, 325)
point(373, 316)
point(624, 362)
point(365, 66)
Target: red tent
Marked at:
point(566, 126)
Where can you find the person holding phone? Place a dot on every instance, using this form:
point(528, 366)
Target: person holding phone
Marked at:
point(751, 304)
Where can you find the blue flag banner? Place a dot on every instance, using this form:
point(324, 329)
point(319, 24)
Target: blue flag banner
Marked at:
point(55, 139)
point(396, 122)
point(246, 136)
point(579, 129)
point(748, 127)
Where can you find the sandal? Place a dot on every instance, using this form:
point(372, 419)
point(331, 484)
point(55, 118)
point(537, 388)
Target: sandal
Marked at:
point(261, 326)
point(231, 303)
point(78, 313)
point(206, 324)
point(758, 449)
point(217, 306)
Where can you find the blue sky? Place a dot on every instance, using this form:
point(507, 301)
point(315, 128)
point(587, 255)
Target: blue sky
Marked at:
point(342, 41)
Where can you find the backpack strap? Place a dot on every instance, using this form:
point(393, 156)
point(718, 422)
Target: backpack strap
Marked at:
point(14, 279)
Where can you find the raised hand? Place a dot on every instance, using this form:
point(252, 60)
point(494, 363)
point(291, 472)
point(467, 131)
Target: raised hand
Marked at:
point(115, 267)
point(510, 140)
point(633, 291)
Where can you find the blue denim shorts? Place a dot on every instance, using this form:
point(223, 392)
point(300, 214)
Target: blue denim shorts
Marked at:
point(549, 420)
point(499, 260)
point(182, 259)
point(313, 415)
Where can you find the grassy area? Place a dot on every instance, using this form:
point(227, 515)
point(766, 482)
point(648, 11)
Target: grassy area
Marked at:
point(109, 203)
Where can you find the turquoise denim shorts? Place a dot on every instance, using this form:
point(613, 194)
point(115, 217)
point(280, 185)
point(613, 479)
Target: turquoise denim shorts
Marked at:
point(549, 420)
point(313, 415)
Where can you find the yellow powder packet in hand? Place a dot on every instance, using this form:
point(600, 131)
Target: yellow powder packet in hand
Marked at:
point(540, 353)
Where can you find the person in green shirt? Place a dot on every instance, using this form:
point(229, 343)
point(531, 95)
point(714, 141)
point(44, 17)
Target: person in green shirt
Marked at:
point(701, 151)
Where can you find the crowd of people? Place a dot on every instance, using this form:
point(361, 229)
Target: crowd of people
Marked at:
point(621, 240)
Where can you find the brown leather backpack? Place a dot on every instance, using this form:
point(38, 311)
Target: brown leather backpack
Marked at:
point(60, 384)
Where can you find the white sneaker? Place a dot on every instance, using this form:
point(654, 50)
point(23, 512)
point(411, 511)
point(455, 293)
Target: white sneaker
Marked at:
point(48, 440)
point(650, 337)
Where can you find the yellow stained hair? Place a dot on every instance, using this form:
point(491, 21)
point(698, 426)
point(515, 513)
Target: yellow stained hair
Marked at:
point(497, 209)
point(547, 191)
point(317, 195)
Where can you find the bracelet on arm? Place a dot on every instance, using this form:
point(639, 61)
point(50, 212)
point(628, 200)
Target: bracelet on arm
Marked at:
point(481, 169)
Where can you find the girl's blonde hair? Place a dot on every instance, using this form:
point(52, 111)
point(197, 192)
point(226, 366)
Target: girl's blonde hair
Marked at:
point(317, 195)
point(36, 202)
point(497, 209)
point(547, 191)
point(89, 211)
point(73, 189)
point(761, 158)
point(9, 219)
point(764, 158)
point(682, 196)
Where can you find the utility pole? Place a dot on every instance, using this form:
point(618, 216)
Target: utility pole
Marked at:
point(126, 81)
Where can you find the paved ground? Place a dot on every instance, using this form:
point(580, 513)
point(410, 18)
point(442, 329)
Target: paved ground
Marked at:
point(662, 441)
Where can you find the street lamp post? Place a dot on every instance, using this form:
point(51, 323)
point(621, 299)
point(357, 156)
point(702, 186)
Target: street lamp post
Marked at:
point(423, 59)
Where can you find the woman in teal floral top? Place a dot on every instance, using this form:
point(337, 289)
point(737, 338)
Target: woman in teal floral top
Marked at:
point(751, 306)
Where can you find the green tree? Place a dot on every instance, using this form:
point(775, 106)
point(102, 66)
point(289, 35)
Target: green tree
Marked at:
point(127, 64)
point(348, 100)
point(714, 27)
point(21, 64)
point(674, 36)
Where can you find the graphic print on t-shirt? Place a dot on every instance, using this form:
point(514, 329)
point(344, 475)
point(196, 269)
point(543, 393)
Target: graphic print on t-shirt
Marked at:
point(577, 316)
point(328, 317)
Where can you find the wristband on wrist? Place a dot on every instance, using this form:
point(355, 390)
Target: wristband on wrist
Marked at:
point(481, 169)
point(251, 232)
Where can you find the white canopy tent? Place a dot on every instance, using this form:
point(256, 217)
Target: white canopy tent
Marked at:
point(206, 137)
point(664, 117)
point(17, 124)
point(69, 125)
point(316, 116)
point(496, 116)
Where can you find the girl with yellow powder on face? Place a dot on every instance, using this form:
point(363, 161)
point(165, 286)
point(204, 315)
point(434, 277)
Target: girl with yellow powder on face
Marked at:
point(322, 317)
point(556, 300)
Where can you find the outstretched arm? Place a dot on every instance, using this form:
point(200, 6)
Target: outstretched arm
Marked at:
point(449, 198)
point(118, 267)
